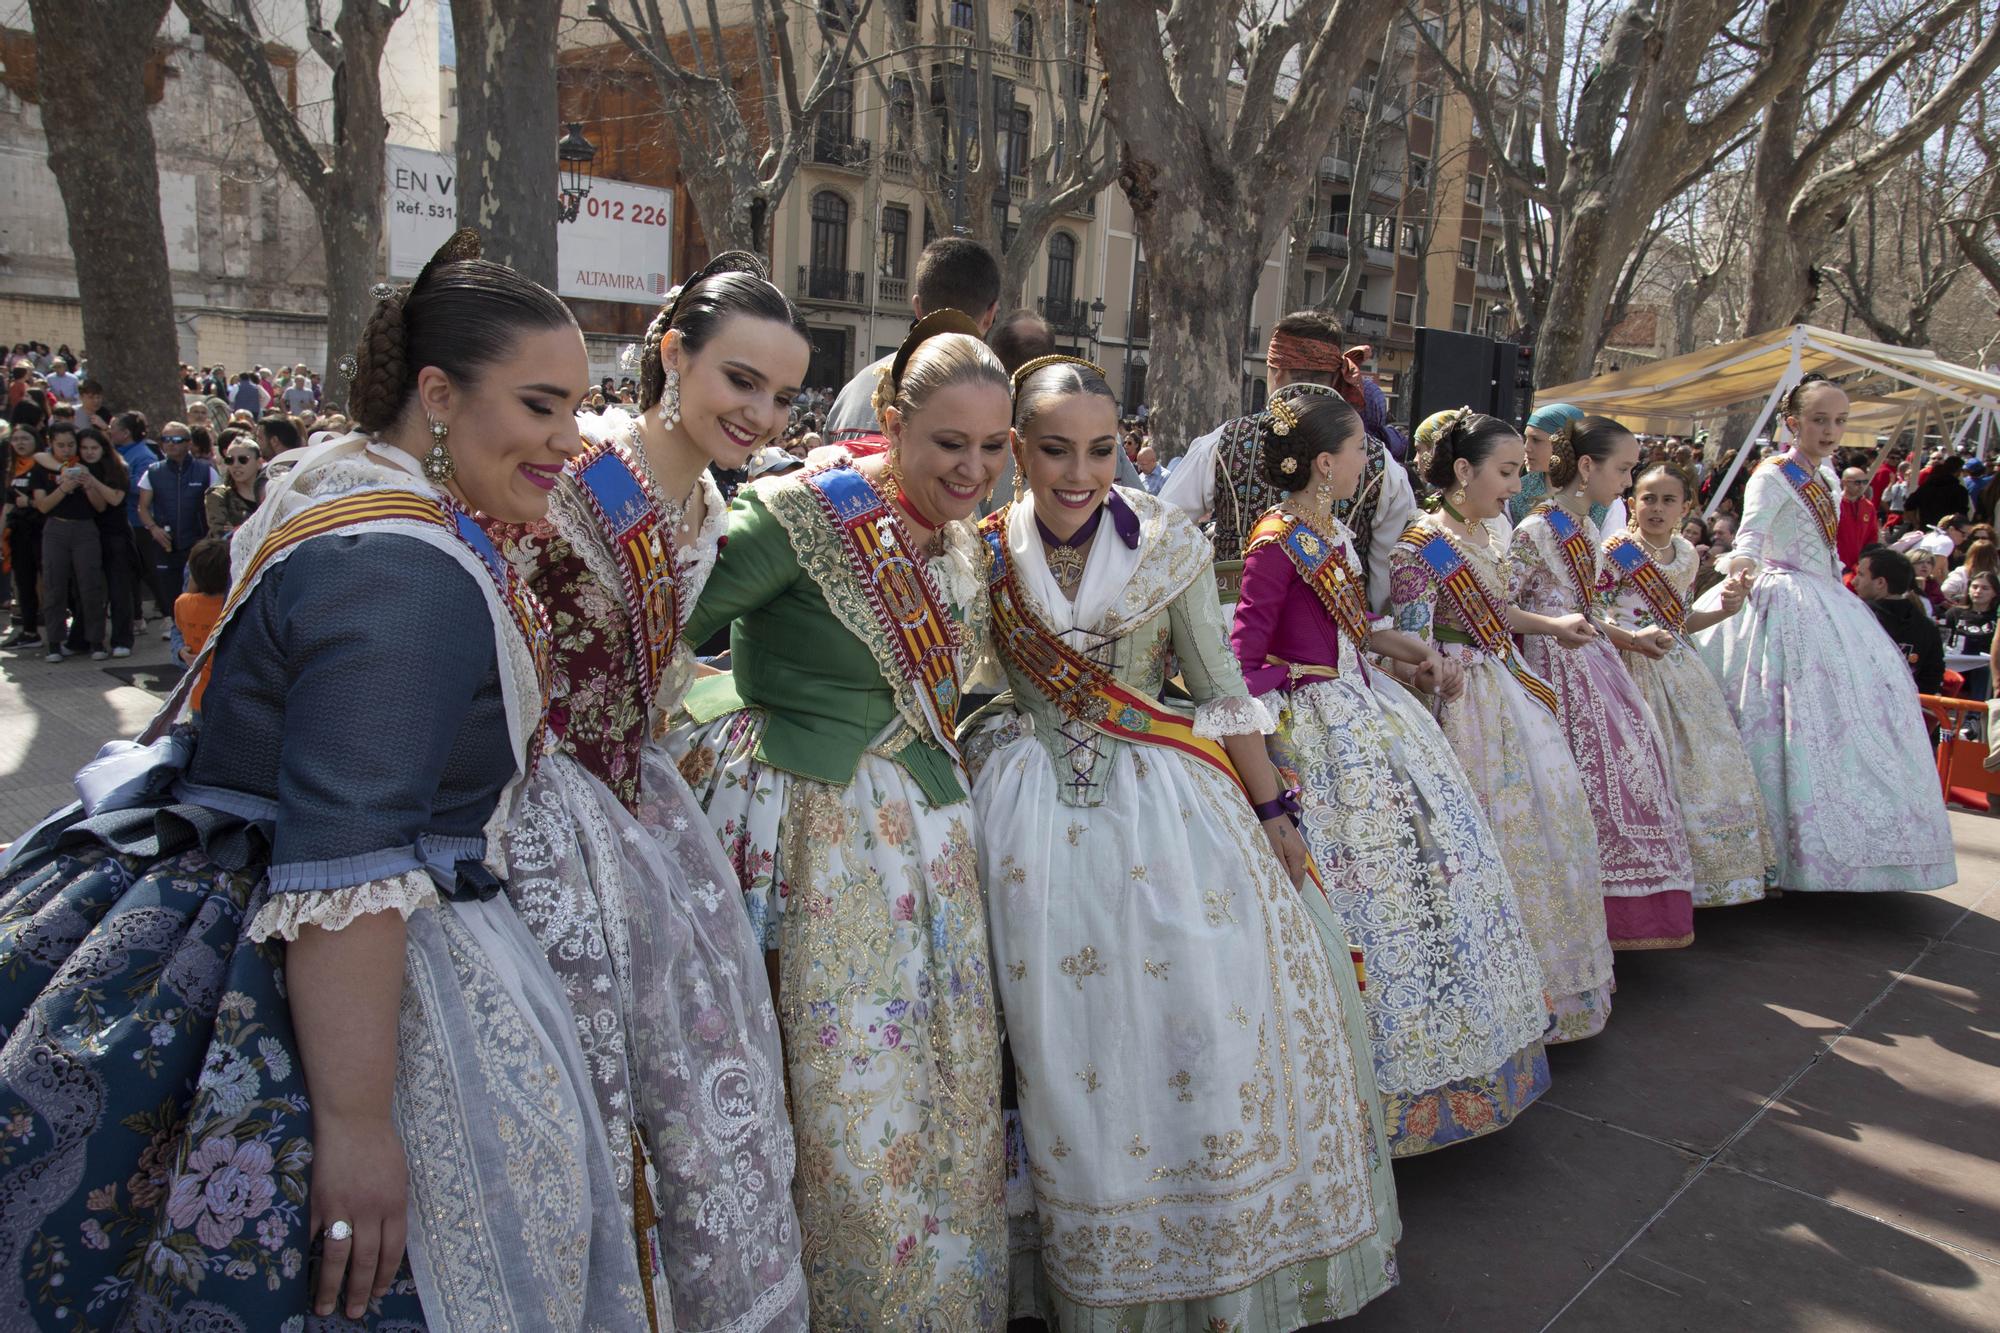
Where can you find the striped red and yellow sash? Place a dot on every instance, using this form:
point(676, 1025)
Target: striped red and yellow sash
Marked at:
point(1812, 492)
point(1456, 583)
point(629, 514)
point(1321, 565)
point(907, 608)
point(1579, 557)
point(1631, 564)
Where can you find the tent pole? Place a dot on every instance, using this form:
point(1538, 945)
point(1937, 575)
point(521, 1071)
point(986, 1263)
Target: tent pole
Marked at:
point(1985, 430)
point(1778, 391)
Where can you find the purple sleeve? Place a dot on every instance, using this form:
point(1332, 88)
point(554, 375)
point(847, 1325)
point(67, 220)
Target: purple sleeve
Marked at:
point(1267, 579)
point(1374, 409)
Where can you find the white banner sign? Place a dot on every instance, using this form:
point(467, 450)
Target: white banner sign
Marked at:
point(620, 248)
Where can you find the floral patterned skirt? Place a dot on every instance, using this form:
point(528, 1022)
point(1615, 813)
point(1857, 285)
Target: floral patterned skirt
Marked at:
point(1521, 769)
point(1454, 998)
point(870, 896)
point(1200, 1117)
point(639, 916)
point(156, 1157)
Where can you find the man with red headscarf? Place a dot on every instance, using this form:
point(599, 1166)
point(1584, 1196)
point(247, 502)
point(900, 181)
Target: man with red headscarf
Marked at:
point(1218, 476)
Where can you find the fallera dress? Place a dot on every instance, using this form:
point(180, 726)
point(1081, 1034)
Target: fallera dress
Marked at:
point(825, 762)
point(1201, 1126)
point(1504, 730)
point(1714, 784)
point(615, 869)
point(1825, 704)
point(1641, 836)
point(375, 697)
point(1454, 997)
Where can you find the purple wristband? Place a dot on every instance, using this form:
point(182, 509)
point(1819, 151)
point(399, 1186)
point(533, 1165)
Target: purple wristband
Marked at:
point(1284, 803)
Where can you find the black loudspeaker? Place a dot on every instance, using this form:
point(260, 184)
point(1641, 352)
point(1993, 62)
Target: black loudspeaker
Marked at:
point(1513, 383)
point(1450, 370)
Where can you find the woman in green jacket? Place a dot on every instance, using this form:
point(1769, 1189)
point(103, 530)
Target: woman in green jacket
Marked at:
point(825, 761)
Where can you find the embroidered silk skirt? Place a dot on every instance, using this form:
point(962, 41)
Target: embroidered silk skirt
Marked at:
point(158, 1138)
point(1842, 753)
point(1200, 1119)
point(870, 896)
point(1641, 836)
point(1711, 774)
point(1521, 769)
point(1454, 999)
point(640, 918)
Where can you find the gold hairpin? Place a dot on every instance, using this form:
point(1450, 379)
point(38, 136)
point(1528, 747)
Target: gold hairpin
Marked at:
point(1283, 416)
point(1288, 465)
point(1057, 359)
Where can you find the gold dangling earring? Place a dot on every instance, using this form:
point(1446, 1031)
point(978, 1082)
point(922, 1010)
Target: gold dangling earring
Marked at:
point(1458, 498)
point(438, 465)
point(670, 400)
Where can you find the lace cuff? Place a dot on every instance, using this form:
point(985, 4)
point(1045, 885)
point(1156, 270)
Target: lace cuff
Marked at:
point(332, 909)
point(1232, 715)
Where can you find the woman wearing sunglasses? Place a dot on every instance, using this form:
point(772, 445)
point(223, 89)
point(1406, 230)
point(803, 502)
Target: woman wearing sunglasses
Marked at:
point(241, 489)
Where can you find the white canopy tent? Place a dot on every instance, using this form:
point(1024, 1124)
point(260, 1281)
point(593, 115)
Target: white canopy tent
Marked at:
point(1892, 388)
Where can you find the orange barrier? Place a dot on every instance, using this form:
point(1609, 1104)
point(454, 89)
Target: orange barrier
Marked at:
point(1961, 763)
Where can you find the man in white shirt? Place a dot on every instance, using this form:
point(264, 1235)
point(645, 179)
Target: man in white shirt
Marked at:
point(299, 396)
point(1217, 477)
point(953, 273)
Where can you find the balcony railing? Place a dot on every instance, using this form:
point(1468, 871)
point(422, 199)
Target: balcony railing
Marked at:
point(1378, 257)
point(1330, 243)
point(1336, 168)
point(896, 163)
point(1492, 282)
point(1360, 322)
point(892, 290)
point(1018, 187)
point(1086, 209)
point(1072, 316)
point(1387, 184)
point(832, 284)
point(833, 151)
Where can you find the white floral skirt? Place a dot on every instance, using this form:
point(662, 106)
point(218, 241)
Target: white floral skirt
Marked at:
point(870, 896)
point(1199, 1118)
point(640, 919)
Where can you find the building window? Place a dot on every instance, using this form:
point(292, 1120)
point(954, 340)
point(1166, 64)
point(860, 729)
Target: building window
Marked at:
point(1024, 33)
point(1461, 318)
point(1062, 271)
point(1017, 131)
point(895, 241)
point(961, 13)
point(829, 244)
point(1468, 254)
point(1312, 286)
point(902, 114)
point(1475, 190)
point(1420, 173)
point(1426, 104)
point(1413, 239)
point(1406, 307)
point(835, 127)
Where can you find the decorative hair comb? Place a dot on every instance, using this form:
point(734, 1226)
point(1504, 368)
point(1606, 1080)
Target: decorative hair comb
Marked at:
point(1283, 416)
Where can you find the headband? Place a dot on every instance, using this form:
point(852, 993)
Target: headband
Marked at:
point(1552, 417)
point(921, 332)
point(1289, 351)
point(1058, 359)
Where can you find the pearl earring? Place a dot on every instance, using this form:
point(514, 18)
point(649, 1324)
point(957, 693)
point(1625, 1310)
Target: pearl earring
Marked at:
point(438, 465)
point(670, 400)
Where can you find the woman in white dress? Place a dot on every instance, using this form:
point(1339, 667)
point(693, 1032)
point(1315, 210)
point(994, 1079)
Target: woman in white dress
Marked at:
point(1199, 1109)
point(1454, 1000)
point(1823, 700)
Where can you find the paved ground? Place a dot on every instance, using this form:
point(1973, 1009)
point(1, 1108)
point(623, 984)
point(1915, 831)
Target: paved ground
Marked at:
point(1794, 1125)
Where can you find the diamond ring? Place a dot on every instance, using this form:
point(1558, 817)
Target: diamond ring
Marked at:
point(339, 1230)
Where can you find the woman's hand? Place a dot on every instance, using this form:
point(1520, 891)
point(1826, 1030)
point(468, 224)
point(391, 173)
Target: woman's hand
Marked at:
point(1290, 847)
point(1734, 590)
point(1654, 643)
point(1573, 630)
point(360, 1177)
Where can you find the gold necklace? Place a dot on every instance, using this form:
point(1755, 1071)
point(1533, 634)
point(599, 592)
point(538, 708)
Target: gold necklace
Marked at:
point(1663, 554)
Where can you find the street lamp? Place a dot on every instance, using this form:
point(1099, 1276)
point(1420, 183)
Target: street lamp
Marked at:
point(574, 153)
point(1096, 324)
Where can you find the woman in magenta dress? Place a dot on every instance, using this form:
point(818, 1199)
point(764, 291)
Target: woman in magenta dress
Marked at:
point(1558, 567)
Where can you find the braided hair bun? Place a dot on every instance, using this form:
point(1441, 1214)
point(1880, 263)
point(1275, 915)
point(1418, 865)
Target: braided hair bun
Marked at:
point(1291, 434)
point(462, 314)
point(1588, 437)
point(1461, 433)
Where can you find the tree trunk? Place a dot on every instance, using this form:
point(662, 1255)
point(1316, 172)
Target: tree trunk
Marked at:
point(1778, 286)
point(1573, 323)
point(90, 57)
point(507, 131)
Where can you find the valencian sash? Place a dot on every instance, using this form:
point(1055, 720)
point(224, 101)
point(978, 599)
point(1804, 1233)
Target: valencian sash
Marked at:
point(1323, 568)
point(1812, 492)
point(358, 512)
point(628, 513)
point(1458, 584)
point(1578, 555)
point(1631, 564)
point(907, 607)
point(1085, 692)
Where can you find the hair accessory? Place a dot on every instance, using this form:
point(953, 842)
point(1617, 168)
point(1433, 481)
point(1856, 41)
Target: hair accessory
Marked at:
point(461, 246)
point(1290, 351)
point(349, 367)
point(382, 291)
point(1283, 416)
point(438, 465)
point(1058, 359)
point(1288, 465)
point(930, 326)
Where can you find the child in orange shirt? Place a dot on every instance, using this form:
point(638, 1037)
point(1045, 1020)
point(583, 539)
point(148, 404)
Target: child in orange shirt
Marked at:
point(196, 610)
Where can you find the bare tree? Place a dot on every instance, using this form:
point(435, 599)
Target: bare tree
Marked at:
point(739, 163)
point(507, 130)
point(969, 157)
point(1594, 120)
point(1223, 111)
point(343, 181)
point(89, 57)
point(1361, 150)
point(1977, 232)
point(1805, 189)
